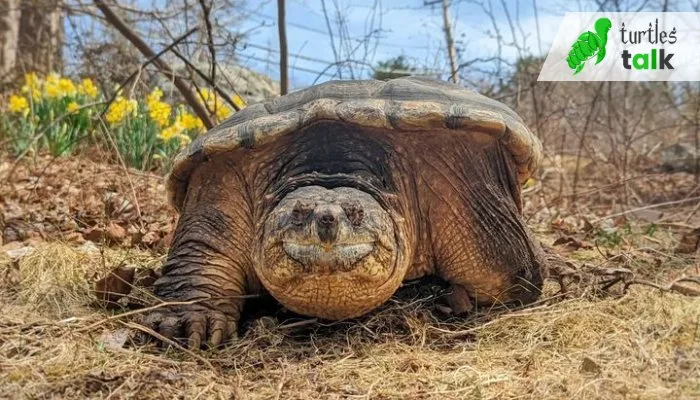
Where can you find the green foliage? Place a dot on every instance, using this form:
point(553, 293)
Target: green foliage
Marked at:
point(57, 115)
point(393, 68)
point(651, 229)
point(613, 237)
point(61, 131)
point(141, 142)
point(16, 132)
point(53, 115)
point(608, 237)
point(136, 139)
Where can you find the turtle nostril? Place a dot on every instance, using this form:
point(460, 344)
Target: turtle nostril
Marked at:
point(327, 219)
point(327, 227)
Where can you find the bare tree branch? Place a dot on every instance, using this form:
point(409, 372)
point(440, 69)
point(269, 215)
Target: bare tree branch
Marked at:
point(143, 47)
point(208, 80)
point(206, 10)
point(145, 64)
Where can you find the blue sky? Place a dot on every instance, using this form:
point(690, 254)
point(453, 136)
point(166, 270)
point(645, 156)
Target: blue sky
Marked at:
point(407, 28)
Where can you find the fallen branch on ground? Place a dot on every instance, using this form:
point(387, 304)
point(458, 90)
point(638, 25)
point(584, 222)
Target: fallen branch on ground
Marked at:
point(603, 278)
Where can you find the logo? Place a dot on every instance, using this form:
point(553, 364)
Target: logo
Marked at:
point(589, 44)
point(625, 46)
point(652, 36)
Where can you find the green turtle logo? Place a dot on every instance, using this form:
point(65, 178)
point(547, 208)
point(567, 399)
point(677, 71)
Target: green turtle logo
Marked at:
point(588, 45)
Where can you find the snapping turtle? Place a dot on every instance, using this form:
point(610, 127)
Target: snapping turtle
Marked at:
point(589, 44)
point(328, 198)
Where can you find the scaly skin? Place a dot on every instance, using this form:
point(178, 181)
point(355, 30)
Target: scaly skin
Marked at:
point(255, 220)
point(334, 259)
point(480, 243)
point(209, 261)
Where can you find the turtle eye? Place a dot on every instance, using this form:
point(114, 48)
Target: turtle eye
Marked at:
point(354, 212)
point(300, 213)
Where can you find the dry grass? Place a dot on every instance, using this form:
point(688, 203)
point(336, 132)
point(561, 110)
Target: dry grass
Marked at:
point(645, 345)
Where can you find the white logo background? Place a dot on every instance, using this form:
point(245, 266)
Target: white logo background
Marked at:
point(686, 49)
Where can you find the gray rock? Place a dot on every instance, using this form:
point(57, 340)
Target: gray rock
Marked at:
point(252, 86)
point(679, 157)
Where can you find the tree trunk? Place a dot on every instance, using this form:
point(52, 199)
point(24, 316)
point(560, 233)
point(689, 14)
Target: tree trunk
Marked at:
point(282, 30)
point(40, 36)
point(451, 52)
point(9, 29)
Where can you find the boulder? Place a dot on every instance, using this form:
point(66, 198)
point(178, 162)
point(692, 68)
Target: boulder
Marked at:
point(680, 157)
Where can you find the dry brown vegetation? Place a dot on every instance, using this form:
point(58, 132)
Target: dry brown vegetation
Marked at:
point(55, 342)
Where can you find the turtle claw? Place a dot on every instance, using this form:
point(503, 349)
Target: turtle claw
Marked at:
point(458, 300)
point(192, 325)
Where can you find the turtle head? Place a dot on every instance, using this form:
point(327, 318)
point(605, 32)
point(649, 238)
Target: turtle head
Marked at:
point(602, 26)
point(330, 253)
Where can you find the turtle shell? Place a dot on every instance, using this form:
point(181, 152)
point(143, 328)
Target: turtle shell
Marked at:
point(405, 104)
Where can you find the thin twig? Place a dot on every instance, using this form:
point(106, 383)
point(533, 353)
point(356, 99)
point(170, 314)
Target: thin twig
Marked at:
point(204, 76)
point(125, 169)
point(668, 203)
point(171, 342)
point(134, 74)
point(160, 305)
point(674, 286)
point(143, 47)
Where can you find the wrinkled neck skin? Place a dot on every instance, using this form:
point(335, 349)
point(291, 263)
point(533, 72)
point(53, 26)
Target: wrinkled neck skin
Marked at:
point(333, 237)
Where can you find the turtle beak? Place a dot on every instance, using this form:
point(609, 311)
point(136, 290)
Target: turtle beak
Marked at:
point(327, 222)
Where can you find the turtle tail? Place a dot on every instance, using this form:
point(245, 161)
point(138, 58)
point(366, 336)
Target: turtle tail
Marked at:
point(579, 68)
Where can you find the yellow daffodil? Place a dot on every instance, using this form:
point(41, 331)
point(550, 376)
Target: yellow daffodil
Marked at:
point(158, 110)
point(67, 87)
point(56, 87)
point(214, 104)
point(88, 88)
point(155, 95)
point(18, 104)
point(32, 86)
point(205, 94)
point(51, 86)
point(223, 112)
point(170, 132)
point(175, 131)
point(32, 80)
point(190, 122)
point(119, 110)
point(35, 93)
point(72, 107)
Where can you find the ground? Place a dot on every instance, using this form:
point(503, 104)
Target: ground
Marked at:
point(68, 222)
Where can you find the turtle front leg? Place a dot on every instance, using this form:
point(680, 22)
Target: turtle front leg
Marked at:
point(480, 243)
point(208, 265)
point(496, 261)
